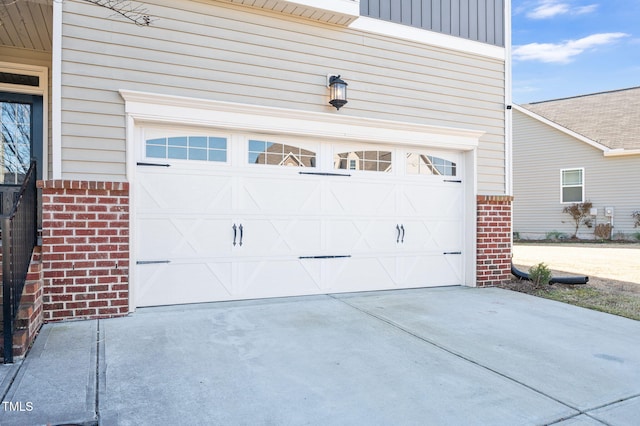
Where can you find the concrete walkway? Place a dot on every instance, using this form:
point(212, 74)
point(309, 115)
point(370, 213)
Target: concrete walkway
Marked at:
point(446, 356)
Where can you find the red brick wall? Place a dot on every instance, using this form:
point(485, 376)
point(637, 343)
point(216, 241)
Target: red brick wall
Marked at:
point(85, 249)
point(494, 240)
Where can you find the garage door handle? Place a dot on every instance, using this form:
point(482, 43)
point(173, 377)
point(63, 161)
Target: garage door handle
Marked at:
point(398, 236)
point(235, 231)
point(402, 239)
point(241, 232)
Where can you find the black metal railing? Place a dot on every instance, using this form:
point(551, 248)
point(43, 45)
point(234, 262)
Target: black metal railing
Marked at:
point(19, 235)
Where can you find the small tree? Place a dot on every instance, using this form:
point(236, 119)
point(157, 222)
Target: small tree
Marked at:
point(581, 215)
point(636, 217)
point(540, 275)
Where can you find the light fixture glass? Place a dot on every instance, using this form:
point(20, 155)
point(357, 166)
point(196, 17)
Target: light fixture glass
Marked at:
point(337, 91)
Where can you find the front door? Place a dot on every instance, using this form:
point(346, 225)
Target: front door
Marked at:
point(20, 136)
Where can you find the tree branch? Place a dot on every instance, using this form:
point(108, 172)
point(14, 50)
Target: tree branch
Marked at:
point(133, 12)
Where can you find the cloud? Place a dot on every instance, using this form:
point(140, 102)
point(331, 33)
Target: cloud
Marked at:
point(563, 52)
point(585, 9)
point(549, 8)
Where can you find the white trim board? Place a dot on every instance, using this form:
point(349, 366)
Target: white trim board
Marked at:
point(421, 35)
point(156, 108)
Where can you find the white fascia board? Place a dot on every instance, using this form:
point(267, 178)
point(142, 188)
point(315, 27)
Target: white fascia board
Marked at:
point(569, 132)
point(621, 152)
point(156, 108)
point(420, 35)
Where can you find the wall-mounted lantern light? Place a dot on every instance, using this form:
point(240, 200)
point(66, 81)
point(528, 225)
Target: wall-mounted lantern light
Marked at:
point(337, 91)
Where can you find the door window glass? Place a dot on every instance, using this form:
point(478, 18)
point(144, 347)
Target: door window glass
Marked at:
point(374, 161)
point(197, 148)
point(421, 164)
point(15, 146)
point(278, 154)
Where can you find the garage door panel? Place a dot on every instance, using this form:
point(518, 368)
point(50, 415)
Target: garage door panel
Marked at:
point(156, 238)
point(277, 277)
point(182, 237)
point(360, 274)
point(446, 235)
point(360, 198)
point(178, 283)
point(280, 195)
point(279, 236)
point(416, 235)
point(431, 201)
point(429, 270)
point(183, 192)
point(352, 236)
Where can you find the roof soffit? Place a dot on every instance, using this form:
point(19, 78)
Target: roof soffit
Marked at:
point(338, 12)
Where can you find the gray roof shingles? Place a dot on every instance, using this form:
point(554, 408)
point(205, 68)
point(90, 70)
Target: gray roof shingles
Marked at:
point(609, 118)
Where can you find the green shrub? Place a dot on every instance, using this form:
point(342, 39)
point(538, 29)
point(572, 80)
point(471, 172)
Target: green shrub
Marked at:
point(540, 275)
point(556, 235)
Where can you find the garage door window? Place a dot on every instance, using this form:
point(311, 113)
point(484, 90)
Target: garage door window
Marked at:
point(278, 154)
point(374, 161)
point(198, 148)
point(420, 164)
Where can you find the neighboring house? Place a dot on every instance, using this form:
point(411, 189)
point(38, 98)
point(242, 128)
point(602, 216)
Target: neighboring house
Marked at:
point(575, 150)
point(198, 159)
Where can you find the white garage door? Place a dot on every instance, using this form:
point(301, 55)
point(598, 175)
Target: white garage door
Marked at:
point(230, 216)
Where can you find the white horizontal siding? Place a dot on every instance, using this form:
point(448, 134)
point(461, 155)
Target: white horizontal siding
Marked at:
point(219, 51)
point(539, 153)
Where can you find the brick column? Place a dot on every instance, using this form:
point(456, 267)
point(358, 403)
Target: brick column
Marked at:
point(85, 249)
point(494, 239)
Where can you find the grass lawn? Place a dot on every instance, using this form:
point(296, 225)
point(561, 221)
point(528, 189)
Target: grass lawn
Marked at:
point(612, 301)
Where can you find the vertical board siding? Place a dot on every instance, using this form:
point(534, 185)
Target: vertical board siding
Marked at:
point(225, 52)
point(479, 20)
point(539, 153)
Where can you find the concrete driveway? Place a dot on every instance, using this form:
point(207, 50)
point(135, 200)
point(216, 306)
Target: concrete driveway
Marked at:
point(446, 356)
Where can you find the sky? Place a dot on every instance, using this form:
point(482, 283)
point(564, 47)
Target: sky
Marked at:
point(565, 48)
